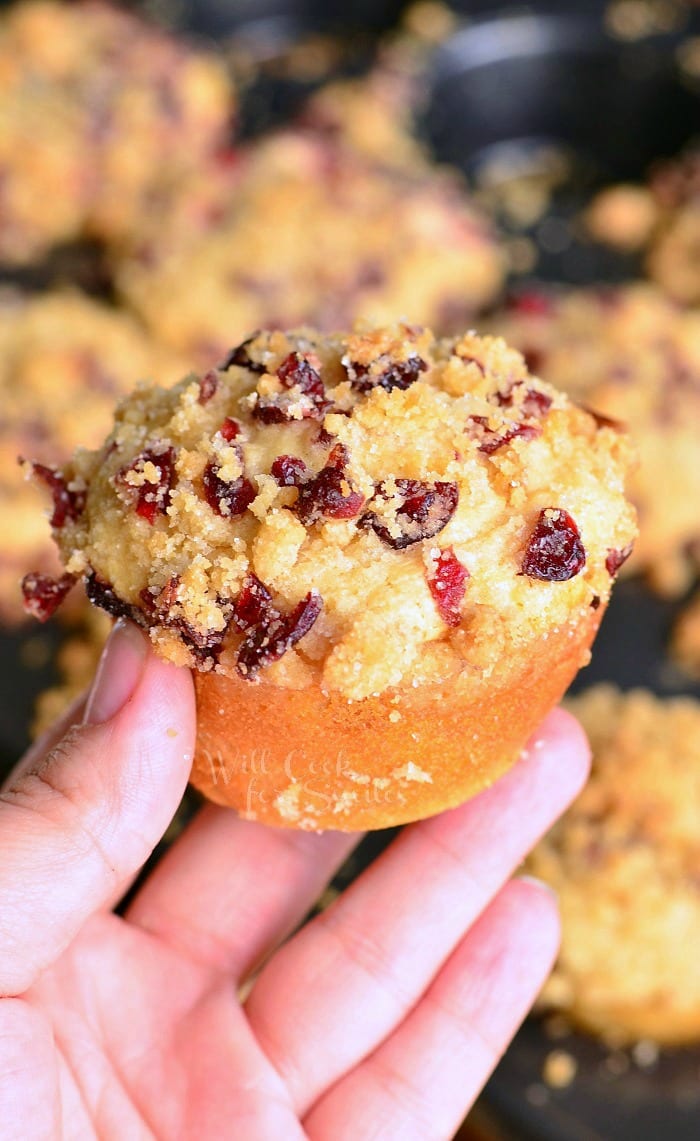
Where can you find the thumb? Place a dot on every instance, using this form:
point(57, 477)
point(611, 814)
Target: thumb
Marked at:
point(78, 821)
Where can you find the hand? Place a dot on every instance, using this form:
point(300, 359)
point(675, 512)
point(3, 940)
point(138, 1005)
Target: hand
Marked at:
point(381, 1018)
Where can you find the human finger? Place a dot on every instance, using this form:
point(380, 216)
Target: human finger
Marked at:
point(78, 821)
point(363, 963)
point(419, 1084)
point(229, 890)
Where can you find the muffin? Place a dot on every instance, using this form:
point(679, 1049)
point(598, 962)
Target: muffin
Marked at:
point(631, 355)
point(98, 109)
point(310, 231)
point(625, 863)
point(384, 556)
point(660, 218)
point(64, 361)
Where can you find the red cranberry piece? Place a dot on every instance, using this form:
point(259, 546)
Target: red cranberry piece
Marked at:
point(205, 646)
point(400, 374)
point(253, 606)
point(158, 602)
point(448, 586)
point(43, 595)
point(426, 509)
point(299, 379)
point(68, 504)
point(276, 633)
point(554, 551)
point(227, 499)
point(531, 304)
point(152, 499)
point(328, 494)
point(101, 594)
point(595, 602)
point(615, 559)
point(230, 429)
point(491, 441)
point(289, 471)
point(535, 403)
point(240, 356)
point(207, 387)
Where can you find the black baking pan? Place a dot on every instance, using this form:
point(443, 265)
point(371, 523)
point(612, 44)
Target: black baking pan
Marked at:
point(504, 86)
point(507, 85)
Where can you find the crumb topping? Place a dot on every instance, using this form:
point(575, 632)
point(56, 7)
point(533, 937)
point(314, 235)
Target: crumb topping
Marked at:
point(358, 533)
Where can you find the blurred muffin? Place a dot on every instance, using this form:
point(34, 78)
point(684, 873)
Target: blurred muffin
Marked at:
point(97, 110)
point(661, 218)
point(625, 863)
point(313, 232)
point(64, 360)
point(630, 354)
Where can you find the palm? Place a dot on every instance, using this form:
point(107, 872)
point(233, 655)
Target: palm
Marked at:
point(150, 1043)
point(381, 1018)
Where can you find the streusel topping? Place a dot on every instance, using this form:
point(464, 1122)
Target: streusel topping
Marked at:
point(364, 510)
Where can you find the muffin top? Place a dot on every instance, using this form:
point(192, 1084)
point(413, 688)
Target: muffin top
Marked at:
point(360, 510)
point(625, 862)
point(630, 354)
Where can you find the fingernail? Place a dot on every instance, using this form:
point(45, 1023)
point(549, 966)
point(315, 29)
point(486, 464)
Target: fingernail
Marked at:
point(118, 673)
point(538, 883)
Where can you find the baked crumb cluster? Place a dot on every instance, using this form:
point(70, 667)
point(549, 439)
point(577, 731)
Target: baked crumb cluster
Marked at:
point(359, 510)
point(625, 863)
point(300, 228)
point(64, 362)
point(630, 354)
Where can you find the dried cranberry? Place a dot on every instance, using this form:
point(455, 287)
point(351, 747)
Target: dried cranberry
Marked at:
point(328, 494)
point(269, 640)
point(230, 429)
point(68, 504)
point(426, 509)
point(304, 396)
point(615, 559)
point(253, 605)
point(491, 441)
point(448, 586)
point(554, 551)
point(43, 595)
point(595, 602)
point(101, 594)
point(159, 601)
point(152, 499)
point(289, 471)
point(205, 647)
point(240, 356)
point(531, 303)
point(534, 403)
point(400, 374)
point(207, 387)
point(227, 498)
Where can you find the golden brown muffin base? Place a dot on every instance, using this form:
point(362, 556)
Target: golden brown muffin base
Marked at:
point(305, 759)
